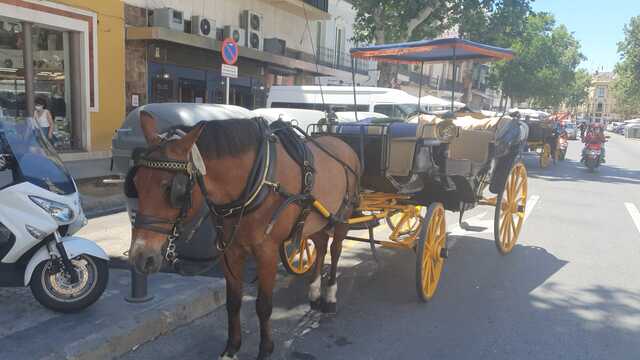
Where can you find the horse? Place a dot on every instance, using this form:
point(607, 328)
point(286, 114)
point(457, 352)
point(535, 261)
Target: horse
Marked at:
point(212, 164)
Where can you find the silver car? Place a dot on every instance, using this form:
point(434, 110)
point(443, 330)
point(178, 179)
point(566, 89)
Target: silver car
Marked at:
point(572, 131)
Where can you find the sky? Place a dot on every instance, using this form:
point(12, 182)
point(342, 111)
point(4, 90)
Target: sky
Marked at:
point(597, 24)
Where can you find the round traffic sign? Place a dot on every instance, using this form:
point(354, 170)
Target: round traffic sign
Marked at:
point(229, 51)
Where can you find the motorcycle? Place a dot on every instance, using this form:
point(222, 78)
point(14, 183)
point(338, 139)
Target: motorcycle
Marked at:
point(39, 213)
point(591, 156)
point(563, 144)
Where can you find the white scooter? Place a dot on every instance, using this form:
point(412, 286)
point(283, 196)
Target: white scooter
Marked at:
point(39, 212)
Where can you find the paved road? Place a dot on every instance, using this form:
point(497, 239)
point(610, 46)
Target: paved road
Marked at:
point(569, 290)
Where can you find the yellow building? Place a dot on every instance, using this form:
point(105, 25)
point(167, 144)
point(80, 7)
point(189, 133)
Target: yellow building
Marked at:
point(69, 53)
point(601, 103)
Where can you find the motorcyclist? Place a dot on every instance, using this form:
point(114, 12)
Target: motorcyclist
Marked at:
point(582, 128)
point(595, 135)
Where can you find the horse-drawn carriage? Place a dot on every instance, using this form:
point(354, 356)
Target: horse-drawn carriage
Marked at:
point(540, 139)
point(416, 169)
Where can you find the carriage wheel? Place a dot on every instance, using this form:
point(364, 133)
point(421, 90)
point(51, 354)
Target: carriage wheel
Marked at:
point(298, 260)
point(431, 252)
point(510, 209)
point(545, 156)
point(408, 223)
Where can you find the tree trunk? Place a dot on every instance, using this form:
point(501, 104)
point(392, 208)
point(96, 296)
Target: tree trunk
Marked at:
point(388, 74)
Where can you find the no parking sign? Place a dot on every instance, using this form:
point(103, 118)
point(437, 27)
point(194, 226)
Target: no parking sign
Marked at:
point(229, 51)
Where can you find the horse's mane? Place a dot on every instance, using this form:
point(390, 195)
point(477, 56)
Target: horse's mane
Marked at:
point(221, 138)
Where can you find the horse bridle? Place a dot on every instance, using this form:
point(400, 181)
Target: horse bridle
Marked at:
point(180, 193)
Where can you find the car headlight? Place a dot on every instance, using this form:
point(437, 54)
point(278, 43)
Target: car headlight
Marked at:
point(61, 212)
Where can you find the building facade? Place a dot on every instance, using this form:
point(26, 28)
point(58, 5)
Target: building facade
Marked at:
point(600, 106)
point(171, 59)
point(69, 53)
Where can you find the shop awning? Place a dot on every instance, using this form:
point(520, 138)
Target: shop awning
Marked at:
point(438, 50)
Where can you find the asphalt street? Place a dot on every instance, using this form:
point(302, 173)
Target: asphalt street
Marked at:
point(569, 290)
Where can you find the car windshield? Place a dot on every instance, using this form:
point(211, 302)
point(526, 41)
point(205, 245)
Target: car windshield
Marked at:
point(37, 161)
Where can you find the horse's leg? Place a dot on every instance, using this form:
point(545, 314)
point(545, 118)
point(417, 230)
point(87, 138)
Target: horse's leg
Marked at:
point(233, 267)
point(330, 300)
point(320, 241)
point(267, 259)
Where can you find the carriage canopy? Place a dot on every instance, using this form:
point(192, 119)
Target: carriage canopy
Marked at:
point(438, 50)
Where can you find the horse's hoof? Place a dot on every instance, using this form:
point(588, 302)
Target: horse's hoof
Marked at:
point(316, 305)
point(329, 307)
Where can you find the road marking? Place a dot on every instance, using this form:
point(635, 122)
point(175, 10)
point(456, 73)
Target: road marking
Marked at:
point(533, 200)
point(635, 214)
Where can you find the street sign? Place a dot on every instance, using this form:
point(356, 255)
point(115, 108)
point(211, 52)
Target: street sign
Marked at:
point(230, 71)
point(229, 51)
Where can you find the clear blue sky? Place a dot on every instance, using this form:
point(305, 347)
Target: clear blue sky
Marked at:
point(597, 24)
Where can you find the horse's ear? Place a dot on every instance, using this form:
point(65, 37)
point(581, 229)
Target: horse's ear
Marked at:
point(148, 124)
point(185, 144)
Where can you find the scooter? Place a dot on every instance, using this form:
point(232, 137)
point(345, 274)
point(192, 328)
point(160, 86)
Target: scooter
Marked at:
point(39, 213)
point(591, 156)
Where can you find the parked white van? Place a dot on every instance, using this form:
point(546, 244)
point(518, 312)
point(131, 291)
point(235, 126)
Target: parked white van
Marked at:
point(391, 102)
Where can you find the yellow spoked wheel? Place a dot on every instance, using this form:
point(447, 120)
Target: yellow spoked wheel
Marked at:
point(545, 156)
point(431, 252)
point(298, 260)
point(510, 209)
point(405, 222)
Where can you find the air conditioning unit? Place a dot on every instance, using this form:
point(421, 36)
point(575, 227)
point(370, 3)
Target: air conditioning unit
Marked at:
point(168, 18)
point(275, 46)
point(203, 26)
point(252, 22)
point(236, 34)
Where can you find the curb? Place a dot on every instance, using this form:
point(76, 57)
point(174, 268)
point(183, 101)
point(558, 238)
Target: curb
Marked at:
point(113, 341)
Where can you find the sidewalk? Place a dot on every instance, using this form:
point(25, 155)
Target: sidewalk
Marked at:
point(109, 328)
point(99, 198)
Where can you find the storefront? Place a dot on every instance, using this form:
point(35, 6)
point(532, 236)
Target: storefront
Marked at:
point(56, 53)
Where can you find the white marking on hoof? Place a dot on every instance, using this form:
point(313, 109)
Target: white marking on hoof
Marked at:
point(225, 357)
point(330, 297)
point(314, 289)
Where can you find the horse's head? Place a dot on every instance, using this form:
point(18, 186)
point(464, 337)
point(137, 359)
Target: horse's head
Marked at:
point(166, 190)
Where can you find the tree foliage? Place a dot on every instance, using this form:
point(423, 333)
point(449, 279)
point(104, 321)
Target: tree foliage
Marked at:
point(579, 89)
point(627, 84)
point(544, 67)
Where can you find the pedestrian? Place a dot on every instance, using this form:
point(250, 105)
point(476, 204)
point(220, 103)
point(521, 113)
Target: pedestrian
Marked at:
point(43, 118)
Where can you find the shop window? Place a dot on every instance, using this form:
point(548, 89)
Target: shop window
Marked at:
point(12, 86)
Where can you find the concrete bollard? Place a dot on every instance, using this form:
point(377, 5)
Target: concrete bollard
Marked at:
point(139, 293)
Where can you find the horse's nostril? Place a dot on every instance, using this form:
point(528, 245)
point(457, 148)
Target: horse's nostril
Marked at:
point(149, 264)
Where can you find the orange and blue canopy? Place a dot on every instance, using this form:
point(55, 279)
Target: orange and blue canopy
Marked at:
point(438, 50)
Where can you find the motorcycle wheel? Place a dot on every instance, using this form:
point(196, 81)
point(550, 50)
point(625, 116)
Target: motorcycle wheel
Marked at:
point(52, 287)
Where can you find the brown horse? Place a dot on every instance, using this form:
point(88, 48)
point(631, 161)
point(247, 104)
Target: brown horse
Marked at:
point(229, 149)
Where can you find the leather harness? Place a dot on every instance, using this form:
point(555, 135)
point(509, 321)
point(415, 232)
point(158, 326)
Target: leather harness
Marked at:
point(260, 183)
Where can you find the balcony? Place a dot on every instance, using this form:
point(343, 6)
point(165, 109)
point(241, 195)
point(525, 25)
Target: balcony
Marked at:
point(314, 9)
point(342, 61)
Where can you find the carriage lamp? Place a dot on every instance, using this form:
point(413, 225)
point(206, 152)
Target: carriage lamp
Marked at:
point(60, 212)
point(445, 131)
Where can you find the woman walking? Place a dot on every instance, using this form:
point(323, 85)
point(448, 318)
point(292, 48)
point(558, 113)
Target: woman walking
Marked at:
point(43, 118)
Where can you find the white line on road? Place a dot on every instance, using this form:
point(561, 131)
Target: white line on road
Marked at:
point(635, 214)
point(533, 200)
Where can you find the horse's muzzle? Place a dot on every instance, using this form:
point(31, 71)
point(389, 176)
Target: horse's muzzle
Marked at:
point(146, 261)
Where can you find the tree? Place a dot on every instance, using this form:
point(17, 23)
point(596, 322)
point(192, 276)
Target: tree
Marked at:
point(388, 21)
point(544, 66)
point(578, 90)
point(626, 86)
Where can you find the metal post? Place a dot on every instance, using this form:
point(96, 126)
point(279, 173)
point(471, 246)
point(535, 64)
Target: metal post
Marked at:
point(29, 78)
point(353, 80)
point(138, 288)
point(453, 82)
point(227, 93)
point(420, 86)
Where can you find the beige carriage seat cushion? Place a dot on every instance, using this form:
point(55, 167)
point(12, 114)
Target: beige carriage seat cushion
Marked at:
point(471, 145)
point(492, 124)
point(427, 126)
point(402, 147)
